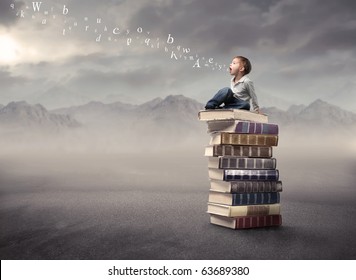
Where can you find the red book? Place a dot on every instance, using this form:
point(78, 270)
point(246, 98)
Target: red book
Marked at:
point(246, 222)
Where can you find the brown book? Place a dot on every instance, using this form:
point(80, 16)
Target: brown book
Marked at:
point(246, 222)
point(245, 186)
point(226, 138)
point(238, 151)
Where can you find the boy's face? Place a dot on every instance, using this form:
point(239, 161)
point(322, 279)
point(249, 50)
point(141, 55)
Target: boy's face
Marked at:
point(236, 67)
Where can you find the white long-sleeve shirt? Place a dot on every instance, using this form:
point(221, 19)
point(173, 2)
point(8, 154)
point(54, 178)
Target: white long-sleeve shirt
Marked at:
point(245, 90)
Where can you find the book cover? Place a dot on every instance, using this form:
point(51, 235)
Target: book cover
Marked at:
point(235, 114)
point(246, 210)
point(244, 174)
point(246, 222)
point(243, 139)
point(235, 199)
point(229, 162)
point(246, 186)
point(238, 126)
point(238, 151)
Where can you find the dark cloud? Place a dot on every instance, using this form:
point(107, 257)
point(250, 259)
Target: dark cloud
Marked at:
point(323, 25)
point(7, 14)
point(225, 25)
point(285, 39)
point(205, 24)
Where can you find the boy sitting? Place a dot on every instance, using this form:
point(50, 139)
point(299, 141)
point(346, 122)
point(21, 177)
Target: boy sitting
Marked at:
point(241, 92)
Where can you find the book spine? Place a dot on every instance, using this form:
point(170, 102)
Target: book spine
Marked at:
point(249, 139)
point(255, 186)
point(248, 174)
point(261, 210)
point(242, 151)
point(255, 198)
point(258, 221)
point(247, 163)
point(256, 128)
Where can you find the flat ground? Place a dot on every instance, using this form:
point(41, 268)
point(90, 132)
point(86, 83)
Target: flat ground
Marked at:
point(154, 207)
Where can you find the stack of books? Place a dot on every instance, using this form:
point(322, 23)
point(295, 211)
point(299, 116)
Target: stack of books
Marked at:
point(245, 186)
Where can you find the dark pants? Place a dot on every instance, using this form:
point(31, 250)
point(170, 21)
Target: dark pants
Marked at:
point(226, 96)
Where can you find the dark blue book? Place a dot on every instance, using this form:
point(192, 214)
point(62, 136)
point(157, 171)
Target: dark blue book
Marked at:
point(236, 199)
point(243, 174)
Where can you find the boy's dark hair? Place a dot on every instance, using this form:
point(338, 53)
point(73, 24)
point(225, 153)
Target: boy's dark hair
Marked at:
point(246, 63)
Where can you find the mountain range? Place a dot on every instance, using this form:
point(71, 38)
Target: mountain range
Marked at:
point(172, 114)
point(318, 113)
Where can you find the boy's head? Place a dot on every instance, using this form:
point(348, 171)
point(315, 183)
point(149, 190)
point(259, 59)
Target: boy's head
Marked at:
point(240, 64)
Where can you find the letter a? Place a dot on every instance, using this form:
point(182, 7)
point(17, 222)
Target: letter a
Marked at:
point(196, 64)
point(36, 6)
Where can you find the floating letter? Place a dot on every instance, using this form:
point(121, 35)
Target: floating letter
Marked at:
point(174, 55)
point(65, 10)
point(170, 39)
point(36, 6)
point(196, 64)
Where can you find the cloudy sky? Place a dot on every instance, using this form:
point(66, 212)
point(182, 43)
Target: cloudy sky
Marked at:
point(66, 53)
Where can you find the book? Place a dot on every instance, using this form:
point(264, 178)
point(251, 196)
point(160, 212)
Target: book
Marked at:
point(246, 222)
point(235, 199)
point(238, 151)
point(236, 114)
point(238, 126)
point(244, 174)
point(227, 138)
point(246, 210)
point(229, 162)
point(246, 186)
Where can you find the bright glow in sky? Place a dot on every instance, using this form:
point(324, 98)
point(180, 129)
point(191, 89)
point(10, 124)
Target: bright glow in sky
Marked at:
point(9, 50)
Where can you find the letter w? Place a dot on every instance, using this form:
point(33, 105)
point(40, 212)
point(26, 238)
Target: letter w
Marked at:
point(36, 6)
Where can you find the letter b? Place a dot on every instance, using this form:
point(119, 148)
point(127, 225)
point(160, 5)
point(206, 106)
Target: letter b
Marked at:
point(170, 39)
point(65, 10)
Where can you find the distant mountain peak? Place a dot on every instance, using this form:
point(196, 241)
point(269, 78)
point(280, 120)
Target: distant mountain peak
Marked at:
point(20, 113)
point(319, 102)
point(319, 112)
